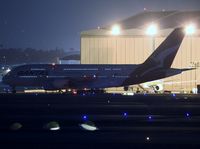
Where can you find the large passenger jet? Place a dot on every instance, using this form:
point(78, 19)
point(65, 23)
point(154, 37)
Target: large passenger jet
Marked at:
point(90, 76)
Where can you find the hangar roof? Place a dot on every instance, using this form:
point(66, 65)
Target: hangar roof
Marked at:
point(166, 20)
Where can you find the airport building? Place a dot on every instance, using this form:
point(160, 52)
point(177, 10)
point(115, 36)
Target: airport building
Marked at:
point(132, 40)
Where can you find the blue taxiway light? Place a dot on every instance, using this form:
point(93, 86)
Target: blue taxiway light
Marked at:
point(150, 117)
point(85, 117)
point(187, 114)
point(125, 114)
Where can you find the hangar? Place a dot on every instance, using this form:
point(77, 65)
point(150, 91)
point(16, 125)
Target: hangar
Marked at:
point(132, 40)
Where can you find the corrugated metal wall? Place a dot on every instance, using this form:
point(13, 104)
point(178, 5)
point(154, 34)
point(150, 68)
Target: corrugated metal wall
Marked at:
point(135, 49)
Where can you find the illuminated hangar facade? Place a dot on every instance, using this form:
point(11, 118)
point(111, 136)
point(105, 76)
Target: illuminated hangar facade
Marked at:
point(132, 40)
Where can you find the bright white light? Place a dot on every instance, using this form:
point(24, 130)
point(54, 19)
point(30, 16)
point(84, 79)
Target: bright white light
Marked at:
point(116, 30)
point(147, 138)
point(152, 30)
point(8, 70)
point(194, 90)
point(88, 127)
point(55, 128)
point(190, 29)
point(128, 94)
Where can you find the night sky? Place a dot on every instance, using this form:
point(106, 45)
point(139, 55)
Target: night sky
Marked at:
point(50, 24)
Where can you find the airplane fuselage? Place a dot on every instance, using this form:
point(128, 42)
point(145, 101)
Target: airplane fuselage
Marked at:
point(69, 76)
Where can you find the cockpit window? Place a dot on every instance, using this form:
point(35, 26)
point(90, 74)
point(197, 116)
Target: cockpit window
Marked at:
point(33, 73)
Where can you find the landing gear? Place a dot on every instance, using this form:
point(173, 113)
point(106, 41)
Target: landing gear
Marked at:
point(126, 88)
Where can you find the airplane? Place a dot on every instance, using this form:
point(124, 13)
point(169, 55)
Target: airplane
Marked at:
point(100, 76)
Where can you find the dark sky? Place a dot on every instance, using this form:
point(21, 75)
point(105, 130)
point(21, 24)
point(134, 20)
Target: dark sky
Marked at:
point(47, 24)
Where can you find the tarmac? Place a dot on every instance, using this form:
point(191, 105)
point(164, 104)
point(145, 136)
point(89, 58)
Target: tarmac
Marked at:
point(99, 121)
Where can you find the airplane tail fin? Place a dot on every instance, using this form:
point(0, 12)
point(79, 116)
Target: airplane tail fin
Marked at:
point(164, 55)
point(158, 64)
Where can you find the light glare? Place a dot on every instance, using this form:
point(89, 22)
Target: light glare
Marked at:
point(190, 29)
point(152, 30)
point(116, 30)
point(8, 70)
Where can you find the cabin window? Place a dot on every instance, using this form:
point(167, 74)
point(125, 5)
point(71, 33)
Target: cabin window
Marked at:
point(32, 73)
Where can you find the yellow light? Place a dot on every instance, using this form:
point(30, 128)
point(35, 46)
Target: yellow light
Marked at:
point(116, 30)
point(190, 29)
point(152, 30)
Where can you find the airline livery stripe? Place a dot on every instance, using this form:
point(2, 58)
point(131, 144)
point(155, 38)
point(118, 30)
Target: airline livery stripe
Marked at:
point(58, 76)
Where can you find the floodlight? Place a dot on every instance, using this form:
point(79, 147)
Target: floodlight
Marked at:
point(190, 29)
point(116, 30)
point(152, 30)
